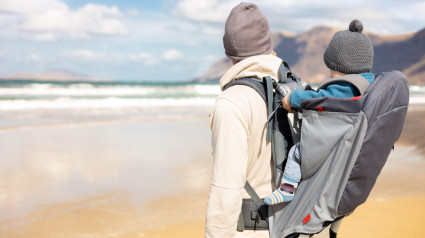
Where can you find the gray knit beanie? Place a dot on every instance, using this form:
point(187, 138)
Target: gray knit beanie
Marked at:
point(247, 33)
point(350, 51)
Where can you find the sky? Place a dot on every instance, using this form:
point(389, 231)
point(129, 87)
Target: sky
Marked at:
point(163, 40)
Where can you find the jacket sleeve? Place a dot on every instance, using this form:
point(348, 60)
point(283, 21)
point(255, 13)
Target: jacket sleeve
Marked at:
point(335, 90)
point(230, 144)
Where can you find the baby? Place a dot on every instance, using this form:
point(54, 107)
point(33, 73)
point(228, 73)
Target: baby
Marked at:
point(349, 52)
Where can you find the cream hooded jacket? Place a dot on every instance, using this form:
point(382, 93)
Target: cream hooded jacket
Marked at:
point(238, 125)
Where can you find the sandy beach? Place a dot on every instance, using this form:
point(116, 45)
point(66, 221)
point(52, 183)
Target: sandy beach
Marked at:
point(115, 179)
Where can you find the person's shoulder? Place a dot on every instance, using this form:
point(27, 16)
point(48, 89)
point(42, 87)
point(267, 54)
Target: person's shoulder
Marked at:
point(242, 98)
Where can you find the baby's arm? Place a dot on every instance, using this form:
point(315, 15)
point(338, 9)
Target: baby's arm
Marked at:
point(296, 98)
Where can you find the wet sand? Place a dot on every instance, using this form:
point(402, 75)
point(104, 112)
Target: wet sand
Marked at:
point(102, 179)
point(111, 187)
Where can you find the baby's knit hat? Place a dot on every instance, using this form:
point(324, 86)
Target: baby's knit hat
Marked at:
point(350, 51)
point(247, 32)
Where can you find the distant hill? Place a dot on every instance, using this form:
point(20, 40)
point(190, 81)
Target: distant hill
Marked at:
point(53, 75)
point(304, 53)
point(407, 55)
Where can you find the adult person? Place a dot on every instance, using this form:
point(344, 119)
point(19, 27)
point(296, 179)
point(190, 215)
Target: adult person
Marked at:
point(238, 123)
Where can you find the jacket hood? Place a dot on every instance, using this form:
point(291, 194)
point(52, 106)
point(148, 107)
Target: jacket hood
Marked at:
point(253, 67)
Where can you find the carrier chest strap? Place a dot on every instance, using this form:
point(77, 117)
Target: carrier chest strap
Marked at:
point(356, 80)
point(252, 192)
point(258, 202)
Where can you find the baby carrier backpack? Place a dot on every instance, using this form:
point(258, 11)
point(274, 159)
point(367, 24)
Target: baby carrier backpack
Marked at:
point(344, 144)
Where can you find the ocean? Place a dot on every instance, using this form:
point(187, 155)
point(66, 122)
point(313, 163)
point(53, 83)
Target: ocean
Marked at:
point(18, 95)
point(21, 96)
point(29, 103)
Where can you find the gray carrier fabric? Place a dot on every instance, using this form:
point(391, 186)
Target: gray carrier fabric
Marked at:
point(340, 169)
point(390, 94)
point(335, 121)
point(318, 196)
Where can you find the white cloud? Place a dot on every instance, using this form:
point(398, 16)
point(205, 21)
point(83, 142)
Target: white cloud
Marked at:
point(87, 55)
point(213, 29)
point(111, 57)
point(133, 12)
point(27, 7)
point(395, 17)
point(204, 10)
point(172, 54)
point(51, 19)
point(34, 57)
point(44, 36)
point(146, 58)
point(96, 56)
point(140, 56)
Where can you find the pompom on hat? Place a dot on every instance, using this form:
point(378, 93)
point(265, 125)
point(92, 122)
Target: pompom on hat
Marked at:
point(350, 51)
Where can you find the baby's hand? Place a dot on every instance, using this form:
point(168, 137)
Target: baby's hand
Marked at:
point(285, 102)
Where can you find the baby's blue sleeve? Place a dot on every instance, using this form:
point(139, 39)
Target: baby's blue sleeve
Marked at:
point(335, 90)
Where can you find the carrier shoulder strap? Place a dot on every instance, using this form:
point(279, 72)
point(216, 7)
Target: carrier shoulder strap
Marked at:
point(356, 80)
point(255, 83)
point(264, 87)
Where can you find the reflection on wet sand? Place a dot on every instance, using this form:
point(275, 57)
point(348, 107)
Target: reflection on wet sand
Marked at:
point(102, 180)
point(84, 217)
point(110, 215)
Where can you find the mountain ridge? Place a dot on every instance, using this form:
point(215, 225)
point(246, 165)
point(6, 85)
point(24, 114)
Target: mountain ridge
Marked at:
point(51, 75)
point(304, 53)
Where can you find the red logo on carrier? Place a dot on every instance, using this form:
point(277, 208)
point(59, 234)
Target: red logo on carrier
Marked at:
point(306, 219)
